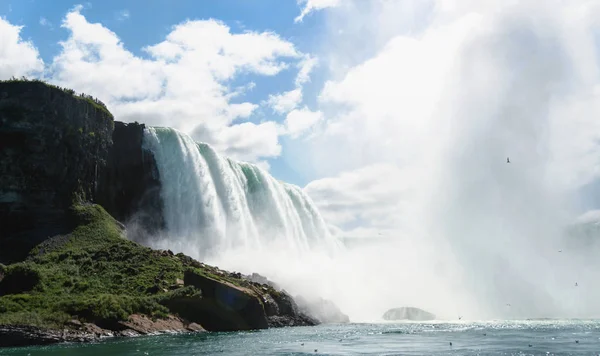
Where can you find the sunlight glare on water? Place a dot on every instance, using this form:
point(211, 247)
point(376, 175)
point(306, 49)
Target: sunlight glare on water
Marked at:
point(546, 337)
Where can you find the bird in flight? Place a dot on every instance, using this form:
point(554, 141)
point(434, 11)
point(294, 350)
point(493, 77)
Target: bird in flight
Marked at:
point(507, 160)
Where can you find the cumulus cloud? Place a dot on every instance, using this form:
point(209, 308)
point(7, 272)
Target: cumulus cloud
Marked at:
point(299, 121)
point(306, 66)
point(282, 103)
point(369, 197)
point(184, 82)
point(285, 102)
point(314, 5)
point(410, 98)
point(17, 57)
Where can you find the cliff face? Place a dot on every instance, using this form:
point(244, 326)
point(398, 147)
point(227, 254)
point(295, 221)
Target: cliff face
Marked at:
point(52, 147)
point(57, 149)
point(129, 187)
point(59, 153)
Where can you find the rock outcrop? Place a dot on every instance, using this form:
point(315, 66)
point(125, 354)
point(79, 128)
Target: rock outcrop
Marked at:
point(136, 325)
point(129, 187)
point(56, 149)
point(52, 147)
point(228, 303)
point(408, 313)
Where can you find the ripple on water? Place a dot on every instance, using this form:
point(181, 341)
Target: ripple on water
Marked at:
point(546, 337)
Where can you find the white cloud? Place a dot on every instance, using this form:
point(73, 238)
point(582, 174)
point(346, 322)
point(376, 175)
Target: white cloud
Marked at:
point(285, 102)
point(369, 197)
point(17, 57)
point(184, 82)
point(45, 22)
point(123, 15)
point(306, 66)
point(297, 122)
point(315, 5)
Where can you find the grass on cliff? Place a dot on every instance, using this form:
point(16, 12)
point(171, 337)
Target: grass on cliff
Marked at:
point(93, 274)
point(96, 103)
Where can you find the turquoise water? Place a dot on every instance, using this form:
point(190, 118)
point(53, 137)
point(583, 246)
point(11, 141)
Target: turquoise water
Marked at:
point(501, 338)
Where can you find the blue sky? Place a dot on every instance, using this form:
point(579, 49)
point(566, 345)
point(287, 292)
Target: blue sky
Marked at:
point(140, 24)
point(374, 107)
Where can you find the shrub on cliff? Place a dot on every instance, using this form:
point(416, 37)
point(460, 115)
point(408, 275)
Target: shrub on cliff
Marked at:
point(92, 100)
point(19, 278)
point(93, 274)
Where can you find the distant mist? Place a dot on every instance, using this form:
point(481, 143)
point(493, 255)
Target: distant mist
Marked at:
point(445, 103)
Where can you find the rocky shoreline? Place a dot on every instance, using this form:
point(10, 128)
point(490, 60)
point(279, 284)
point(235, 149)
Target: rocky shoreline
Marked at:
point(77, 332)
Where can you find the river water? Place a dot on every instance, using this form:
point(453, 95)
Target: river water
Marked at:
point(532, 337)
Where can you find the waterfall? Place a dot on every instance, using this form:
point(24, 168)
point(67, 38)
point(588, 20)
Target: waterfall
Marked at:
point(213, 203)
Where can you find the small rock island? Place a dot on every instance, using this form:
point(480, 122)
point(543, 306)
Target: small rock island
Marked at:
point(408, 313)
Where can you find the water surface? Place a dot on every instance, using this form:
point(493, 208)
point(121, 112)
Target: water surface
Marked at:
point(546, 337)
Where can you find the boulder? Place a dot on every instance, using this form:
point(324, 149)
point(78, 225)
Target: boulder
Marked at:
point(223, 306)
point(408, 313)
point(289, 313)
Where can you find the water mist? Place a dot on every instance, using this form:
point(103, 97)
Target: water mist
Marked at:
point(475, 237)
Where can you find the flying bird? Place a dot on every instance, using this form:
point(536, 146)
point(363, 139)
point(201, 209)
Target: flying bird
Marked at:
point(507, 160)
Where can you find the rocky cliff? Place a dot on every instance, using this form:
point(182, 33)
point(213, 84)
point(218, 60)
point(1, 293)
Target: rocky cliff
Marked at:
point(58, 148)
point(52, 147)
point(129, 187)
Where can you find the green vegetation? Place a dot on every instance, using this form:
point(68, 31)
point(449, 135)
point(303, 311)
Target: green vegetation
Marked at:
point(93, 274)
point(95, 102)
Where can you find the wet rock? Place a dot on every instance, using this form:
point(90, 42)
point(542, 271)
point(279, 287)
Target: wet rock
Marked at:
point(129, 187)
point(222, 307)
point(143, 325)
point(289, 313)
point(13, 336)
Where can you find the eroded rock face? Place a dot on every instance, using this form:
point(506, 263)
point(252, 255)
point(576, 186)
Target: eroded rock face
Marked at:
point(408, 313)
point(129, 187)
point(57, 149)
point(52, 147)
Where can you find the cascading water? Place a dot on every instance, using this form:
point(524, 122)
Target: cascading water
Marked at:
point(214, 204)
